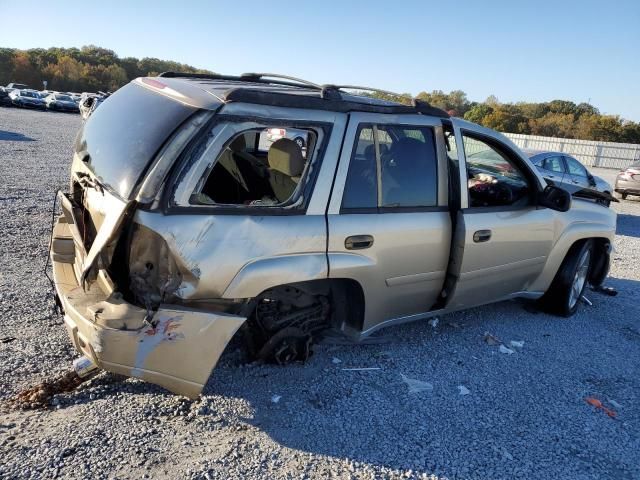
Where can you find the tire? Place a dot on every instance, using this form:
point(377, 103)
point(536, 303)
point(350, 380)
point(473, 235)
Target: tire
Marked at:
point(563, 296)
point(299, 141)
point(621, 195)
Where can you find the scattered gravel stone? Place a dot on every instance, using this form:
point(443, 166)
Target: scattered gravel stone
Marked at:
point(526, 418)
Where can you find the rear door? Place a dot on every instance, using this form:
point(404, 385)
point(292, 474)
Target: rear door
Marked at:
point(553, 168)
point(389, 225)
point(502, 238)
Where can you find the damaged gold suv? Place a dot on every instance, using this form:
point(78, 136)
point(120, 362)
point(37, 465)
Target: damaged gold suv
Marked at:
point(185, 220)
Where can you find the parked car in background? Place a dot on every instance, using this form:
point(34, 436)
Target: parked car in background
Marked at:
point(17, 86)
point(298, 136)
point(561, 168)
point(89, 103)
point(628, 181)
point(5, 100)
point(27, 99)
point(178, 229)
point(61, 102)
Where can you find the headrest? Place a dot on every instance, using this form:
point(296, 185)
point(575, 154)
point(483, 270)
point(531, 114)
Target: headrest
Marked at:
point(286, 157)
point(407, 148)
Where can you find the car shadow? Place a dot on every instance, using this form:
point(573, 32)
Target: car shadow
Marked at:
point(14, 137)
point(628, 225)
point(328, 407)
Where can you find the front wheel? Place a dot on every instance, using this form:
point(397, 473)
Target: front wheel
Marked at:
point(564, 294)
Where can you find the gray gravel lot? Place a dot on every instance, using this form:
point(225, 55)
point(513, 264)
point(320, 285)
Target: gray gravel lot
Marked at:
point(525, 414)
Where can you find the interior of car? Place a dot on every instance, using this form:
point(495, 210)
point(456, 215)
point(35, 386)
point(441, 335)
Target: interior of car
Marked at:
point(253, 170)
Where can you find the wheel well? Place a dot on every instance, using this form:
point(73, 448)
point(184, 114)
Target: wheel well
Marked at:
point(600, 264)
point(345, 294)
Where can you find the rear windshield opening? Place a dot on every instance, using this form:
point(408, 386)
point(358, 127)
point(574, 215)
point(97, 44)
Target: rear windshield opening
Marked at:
point(121, 138)
point(258, 167)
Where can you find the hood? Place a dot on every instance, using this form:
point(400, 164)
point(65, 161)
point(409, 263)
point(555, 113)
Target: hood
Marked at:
point(602, 184)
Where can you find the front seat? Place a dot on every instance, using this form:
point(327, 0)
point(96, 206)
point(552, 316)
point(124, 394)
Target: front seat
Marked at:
point(285, 167)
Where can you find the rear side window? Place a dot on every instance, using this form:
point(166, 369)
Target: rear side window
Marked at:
point(392, 166)
point(575, 167)
point(554, 164)
point(123, 134)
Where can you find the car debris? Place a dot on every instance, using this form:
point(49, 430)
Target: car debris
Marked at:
point(434, 322)
point(586, 300)
point(7, 339)
point(276, 398)
point(38, 396)
point(505, 350)
point(516, 343)
point(361, 369)
point(416, 386)
point(490, 339)
point(336, 360)
point(594, 402)
point(185, 222)
point(462, 390)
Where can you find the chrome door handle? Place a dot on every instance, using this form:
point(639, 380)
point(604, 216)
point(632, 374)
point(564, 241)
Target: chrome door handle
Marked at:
point(358, 242)
point(482, 236)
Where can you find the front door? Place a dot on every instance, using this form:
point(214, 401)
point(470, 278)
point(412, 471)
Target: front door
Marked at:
point(389, 225)
point(502, 237)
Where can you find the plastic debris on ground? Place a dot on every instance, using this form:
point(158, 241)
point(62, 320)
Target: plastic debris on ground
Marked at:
point(491, 339)
point(434, 322)
point(594, 402)
point(416, 386)
point(276, 398)
point(360, 369)
point(516, 343)
point(505, 350)
point(336, 360)
point(463, 390)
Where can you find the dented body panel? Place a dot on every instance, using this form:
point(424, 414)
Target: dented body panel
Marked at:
point(157, 270)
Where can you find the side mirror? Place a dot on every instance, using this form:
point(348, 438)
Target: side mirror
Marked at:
point(592, 181)
point(555, 198)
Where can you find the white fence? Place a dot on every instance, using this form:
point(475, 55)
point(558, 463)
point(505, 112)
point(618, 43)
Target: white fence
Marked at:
point(591, 153)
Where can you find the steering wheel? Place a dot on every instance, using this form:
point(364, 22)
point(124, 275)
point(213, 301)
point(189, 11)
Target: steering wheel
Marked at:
point(503, 194)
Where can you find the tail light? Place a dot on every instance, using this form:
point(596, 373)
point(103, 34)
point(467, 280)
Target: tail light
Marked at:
point(277, 132)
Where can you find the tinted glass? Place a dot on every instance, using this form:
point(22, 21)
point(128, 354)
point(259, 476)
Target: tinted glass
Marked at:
point(409, 167)
point(408, 163)
point(554, 164)
point(360, 190)
point(122, 136)
point(575, 167)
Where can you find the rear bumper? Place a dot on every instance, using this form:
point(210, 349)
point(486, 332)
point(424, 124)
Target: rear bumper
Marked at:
point(177, 348)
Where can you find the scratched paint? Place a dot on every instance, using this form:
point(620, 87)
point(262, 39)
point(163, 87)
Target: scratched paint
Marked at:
point(166, 330)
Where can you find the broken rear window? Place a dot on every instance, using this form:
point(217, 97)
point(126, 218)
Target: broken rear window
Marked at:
point(122, 136)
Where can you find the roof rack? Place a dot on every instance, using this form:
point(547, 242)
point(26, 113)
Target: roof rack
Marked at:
point(276, 79)
point(327, 92)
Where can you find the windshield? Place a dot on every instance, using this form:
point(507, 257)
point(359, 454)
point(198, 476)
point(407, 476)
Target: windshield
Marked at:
point(63, 98)
point(120, 138)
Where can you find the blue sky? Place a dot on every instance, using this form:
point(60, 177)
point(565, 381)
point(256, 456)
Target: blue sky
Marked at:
point(517, 50)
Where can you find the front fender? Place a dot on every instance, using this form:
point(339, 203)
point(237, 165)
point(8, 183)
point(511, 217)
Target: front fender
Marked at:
point(572, 234)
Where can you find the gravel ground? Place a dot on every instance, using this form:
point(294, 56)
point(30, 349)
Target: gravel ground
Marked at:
point(524, 415)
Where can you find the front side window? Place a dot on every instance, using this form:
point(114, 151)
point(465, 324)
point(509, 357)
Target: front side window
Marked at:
point(259, 166)
point(392, 166)
point(494, 179)
point(575, 167)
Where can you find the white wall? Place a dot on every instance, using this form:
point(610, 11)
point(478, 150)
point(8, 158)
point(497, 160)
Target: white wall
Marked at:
point(590, 153)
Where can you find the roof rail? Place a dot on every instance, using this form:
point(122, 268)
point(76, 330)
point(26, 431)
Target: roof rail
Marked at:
point(276, 79)
point(362, 89)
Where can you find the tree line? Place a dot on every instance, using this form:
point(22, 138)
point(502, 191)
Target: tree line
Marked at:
point(557, 118)
point(86, 69)
point(92, 68)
